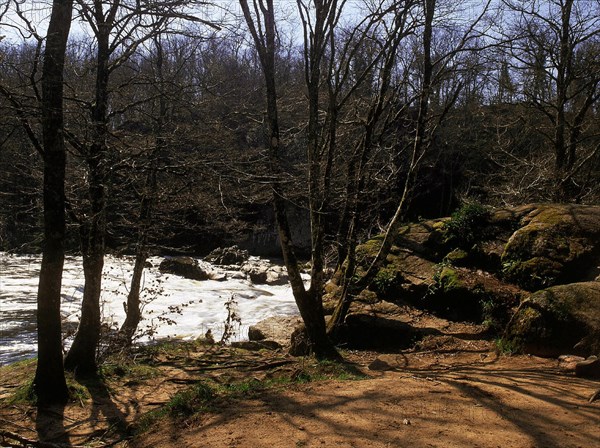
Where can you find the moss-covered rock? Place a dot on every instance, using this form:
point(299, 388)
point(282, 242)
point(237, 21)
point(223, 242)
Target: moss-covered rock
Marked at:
point(555, 244)
point(466, 294)
point(561, 319)
point(457, 257)
point(482, 275)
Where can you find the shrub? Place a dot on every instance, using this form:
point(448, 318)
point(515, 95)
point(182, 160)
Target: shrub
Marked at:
point(465, 225)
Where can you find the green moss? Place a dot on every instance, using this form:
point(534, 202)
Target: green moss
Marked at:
point(457, 257)
point(136, 372)
point(449, 279)
point(367, 296)
point(367, 251)
point(24, 394)
point(532, 274)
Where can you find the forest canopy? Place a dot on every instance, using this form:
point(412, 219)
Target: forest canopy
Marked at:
point(513, 113)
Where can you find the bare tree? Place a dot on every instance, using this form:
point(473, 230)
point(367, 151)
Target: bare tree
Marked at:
point(555, 49)
point(119, 28)
point(433, 68)
point(49, 382)
point(260, 18)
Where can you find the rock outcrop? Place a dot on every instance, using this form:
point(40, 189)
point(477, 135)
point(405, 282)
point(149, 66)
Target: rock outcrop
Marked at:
point(555, 244)
point(481, 264)
point(262, 272)
point(228, 256)
point(277, 328)
point(558, 320)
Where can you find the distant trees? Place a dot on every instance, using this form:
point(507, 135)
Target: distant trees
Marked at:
point(555, 46)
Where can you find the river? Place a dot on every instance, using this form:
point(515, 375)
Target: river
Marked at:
point(175, 307)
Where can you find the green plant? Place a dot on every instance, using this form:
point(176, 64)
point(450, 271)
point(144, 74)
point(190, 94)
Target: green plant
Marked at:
point(465, 225)
point(493, 314)
point(183, 404)
point(385, 280)
point(190, 401)
point(507, 346)
point(77, 392)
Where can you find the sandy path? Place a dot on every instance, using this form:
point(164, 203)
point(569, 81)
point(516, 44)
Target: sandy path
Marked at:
point(505, 402)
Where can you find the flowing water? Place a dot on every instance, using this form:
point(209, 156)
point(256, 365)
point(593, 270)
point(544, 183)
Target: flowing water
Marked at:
point(174, 307)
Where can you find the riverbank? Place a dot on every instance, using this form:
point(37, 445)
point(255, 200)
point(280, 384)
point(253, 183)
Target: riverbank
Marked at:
point(451, 389)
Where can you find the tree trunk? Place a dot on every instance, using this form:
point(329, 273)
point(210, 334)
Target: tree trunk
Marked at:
point(133, 310)
point(82, 355)
point(350, 287)
point(309, 302)
point(49, 382)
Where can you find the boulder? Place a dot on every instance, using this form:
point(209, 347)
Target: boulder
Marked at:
point(369, 331)
point(262, 272)
point(228, 256)
point(557, 320)
point(186, 267)
point(277, 328)
point(466, 294)
point(589, 368)
point(555, 244)
point(379, 364)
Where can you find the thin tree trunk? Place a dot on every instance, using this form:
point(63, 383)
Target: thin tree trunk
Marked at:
point(82, 355)
point(351, 288)
point(308, 301)
point(49, 382)
point(133, 308)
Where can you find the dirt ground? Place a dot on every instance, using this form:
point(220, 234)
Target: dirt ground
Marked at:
point(451, 390)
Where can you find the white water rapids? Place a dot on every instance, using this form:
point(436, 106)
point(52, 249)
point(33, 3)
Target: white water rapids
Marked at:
point(175, 307)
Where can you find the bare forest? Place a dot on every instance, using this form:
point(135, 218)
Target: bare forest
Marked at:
point(296, 130)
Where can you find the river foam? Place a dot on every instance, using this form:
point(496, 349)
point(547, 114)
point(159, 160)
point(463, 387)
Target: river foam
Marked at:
point(175, 307)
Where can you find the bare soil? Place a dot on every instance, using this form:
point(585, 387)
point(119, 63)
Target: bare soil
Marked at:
point(451, 390)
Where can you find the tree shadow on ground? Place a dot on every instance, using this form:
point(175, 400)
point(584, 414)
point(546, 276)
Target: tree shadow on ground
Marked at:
point(50, 425)
point(467, 405)
point(104, 408)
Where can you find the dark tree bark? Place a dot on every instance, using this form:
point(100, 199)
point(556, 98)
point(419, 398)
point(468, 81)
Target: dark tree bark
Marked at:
point(351, 287)
point(82, 355)
point(261, 22)
point(49, 382)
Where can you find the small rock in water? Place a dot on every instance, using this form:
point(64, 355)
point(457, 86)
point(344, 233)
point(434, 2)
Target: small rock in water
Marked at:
point(186, 267)
point(228, 256)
